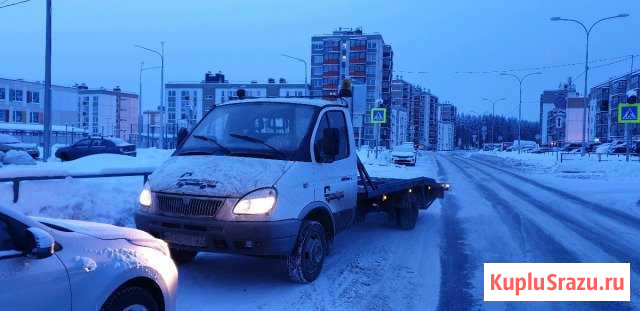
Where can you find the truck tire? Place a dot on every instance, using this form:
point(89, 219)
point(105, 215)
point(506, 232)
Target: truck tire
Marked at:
point(305, 262)
point(181, 256)
point(131, 298)
point(406, 213)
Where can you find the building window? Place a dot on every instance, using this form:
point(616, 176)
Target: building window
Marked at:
point(317, 45)
point(2, 94)
point(184, 95)
point(4, 115)
point(18, 116)
point(34, 117)
point(12, 95)
point(19, 96)
point(316, 59)
point(316, 71)
point(371, 45)
point(316, 83)
point(36, 97)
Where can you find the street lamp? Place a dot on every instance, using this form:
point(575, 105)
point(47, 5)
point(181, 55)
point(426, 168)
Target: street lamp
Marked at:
point(161, 54)
point(587, 32)
point(299, 60)
point(520, 81)
point(493, 113)
point(140, 119)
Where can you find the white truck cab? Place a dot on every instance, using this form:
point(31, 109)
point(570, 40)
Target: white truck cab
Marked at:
point(267, 177)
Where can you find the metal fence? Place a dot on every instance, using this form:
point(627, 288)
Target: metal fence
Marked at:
point(17, 180)
point(565, 156)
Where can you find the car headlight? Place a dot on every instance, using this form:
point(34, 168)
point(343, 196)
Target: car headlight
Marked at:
point(260, 201)
point(145, 196)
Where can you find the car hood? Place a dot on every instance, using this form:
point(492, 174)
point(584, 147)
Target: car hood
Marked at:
point(402, 154)
point(216, 175)
point(21, 146)
point(97, 230)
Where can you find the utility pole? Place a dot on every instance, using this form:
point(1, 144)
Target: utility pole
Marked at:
point(47, 87)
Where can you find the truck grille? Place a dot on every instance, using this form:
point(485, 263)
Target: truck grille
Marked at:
point(188, 206)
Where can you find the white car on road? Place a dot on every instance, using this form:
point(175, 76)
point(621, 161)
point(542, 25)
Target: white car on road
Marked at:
point(50, 264)
point(404, 154)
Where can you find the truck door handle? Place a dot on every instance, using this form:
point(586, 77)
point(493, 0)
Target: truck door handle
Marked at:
point(334, 196)
point(345, 178)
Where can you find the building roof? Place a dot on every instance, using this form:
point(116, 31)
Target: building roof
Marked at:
point(36, 84)
point(107, 92)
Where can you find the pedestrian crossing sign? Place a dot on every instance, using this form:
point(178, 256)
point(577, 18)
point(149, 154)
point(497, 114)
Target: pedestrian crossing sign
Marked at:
point(628, 113)
point(378, 115)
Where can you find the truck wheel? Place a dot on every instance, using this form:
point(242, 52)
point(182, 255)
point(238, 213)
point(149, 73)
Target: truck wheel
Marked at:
point(406, 213)
point(181, 256)
point(305, 263)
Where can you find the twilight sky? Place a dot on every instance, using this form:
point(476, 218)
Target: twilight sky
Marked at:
point(93, 42)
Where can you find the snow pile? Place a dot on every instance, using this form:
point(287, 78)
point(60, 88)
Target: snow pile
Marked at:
point(611, 167)
point(107, 200)
point(18, 158)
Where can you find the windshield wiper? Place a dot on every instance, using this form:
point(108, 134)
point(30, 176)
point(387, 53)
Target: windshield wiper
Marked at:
point(259, 141)
point(213, 141)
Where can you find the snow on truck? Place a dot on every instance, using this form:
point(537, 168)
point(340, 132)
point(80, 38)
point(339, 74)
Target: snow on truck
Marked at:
point(275, 177)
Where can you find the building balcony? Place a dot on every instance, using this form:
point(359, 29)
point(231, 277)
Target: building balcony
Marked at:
point(357, 73)
point(330, 86)
point(331, 74)
point(332, 49)
point(331, 61)
point(359, 48)
point(358, 61)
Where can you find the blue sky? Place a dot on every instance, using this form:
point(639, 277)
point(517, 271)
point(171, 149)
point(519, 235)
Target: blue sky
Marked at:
point(93, 41)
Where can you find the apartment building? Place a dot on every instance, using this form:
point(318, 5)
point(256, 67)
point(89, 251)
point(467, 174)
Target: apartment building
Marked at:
point(446, 125)
point(401, 107)
point(604, 99)
point(108, 112)
point(549, 101)
point(365, 59)
point(188, 102)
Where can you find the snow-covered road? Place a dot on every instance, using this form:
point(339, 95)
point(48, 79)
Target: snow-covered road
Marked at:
point(495, 213)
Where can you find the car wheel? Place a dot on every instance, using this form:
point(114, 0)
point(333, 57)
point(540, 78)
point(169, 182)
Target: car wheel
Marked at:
point(406, 213)
point(181, 256)
point(305, 263)
point(132, 298)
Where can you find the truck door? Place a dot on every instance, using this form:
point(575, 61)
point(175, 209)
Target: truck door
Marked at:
point(337, 179)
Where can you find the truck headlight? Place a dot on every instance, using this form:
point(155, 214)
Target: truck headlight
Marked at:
point(145, 196)
point(260, 201)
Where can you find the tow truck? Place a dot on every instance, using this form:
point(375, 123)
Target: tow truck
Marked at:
point(273, 177)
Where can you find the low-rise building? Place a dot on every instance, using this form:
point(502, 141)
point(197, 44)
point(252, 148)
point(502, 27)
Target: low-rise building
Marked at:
point(108, 112)
point(604, 99)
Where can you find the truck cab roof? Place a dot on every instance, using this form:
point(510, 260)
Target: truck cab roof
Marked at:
point(293, 100)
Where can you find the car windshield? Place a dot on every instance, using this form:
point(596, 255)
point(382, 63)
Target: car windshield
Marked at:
point(259, 129)
point(6, 139)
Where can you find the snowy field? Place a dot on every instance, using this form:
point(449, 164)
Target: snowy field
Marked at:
point(503, 207)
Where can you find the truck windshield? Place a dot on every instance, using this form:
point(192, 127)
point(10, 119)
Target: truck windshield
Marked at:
point(261, 129)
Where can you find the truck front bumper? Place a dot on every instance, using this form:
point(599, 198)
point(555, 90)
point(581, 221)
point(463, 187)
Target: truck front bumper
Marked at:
point(259, 238)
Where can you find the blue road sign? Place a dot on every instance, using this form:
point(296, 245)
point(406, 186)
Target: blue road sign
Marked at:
point(378, 115)
point(628, 113)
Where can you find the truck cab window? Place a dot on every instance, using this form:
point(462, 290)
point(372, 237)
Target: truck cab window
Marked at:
point(335, 120)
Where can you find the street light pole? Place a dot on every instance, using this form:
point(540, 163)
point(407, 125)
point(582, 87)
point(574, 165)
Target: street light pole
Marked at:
point(299, 60)
point(140, 118)
point(493, 114)
point(162, 108)
point(587, 32)
point(47, 87)
point(520, 81)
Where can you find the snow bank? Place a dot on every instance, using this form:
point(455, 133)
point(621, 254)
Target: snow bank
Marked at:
point(107, 200)
point(611, 167)
point(18, 158)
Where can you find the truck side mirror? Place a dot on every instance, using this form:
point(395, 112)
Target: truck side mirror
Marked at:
point(331, 141)
point(182, 136)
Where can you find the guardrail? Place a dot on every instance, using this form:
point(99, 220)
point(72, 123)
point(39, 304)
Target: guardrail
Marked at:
point(17, 180)
point(565, 156)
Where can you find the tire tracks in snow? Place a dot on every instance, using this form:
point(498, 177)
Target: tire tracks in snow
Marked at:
point(455, 261)
point(521, 226)
point(619, 216)
point(591, 233)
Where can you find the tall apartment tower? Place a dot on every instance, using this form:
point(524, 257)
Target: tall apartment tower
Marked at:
point(365, 59)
